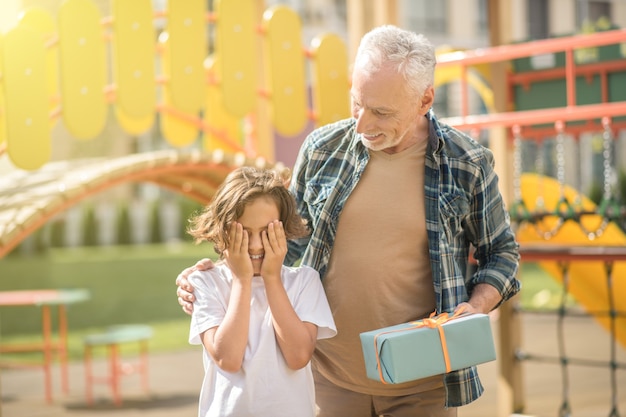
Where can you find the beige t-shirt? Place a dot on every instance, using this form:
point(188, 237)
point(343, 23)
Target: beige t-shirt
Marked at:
point(379, 272)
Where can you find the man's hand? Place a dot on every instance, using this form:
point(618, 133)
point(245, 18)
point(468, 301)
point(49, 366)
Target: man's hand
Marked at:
point(484, 299)
point(184, 289)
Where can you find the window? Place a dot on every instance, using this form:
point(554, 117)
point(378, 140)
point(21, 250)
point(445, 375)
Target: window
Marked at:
point(340, 9)
point(483, 17)
point(441, 104)
point(589, 11)
point(538, 19)
point(427, 16)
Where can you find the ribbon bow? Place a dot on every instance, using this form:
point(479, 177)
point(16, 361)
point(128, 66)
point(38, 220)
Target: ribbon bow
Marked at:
point(433, 321)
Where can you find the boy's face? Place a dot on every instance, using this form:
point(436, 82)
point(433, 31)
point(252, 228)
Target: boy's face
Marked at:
point(256, 216)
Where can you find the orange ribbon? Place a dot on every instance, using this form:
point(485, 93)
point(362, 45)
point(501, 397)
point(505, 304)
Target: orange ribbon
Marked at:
point(432, 322)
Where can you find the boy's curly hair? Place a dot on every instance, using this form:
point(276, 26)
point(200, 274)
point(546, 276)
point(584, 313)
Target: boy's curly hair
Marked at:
point(241, 187)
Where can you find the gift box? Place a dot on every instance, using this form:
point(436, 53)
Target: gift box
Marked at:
point(423, 348)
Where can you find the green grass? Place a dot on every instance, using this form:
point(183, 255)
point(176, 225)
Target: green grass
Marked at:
point(539, 289)
point(168, 336)
point(128, 284)
point(135, 284)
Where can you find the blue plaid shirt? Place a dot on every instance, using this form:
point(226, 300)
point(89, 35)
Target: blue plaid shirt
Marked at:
point(463, 207)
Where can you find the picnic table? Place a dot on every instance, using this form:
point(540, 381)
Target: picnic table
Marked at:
point(46, 299)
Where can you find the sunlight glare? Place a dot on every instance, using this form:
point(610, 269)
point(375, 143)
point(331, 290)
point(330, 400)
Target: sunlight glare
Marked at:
point(9, 11)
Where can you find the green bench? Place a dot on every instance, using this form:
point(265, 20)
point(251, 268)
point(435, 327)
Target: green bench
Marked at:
point(112, 338)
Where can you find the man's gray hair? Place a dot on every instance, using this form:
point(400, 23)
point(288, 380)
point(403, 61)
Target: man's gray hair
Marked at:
point(412, 54)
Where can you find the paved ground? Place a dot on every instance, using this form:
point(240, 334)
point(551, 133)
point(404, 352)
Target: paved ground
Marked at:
point(175, 382)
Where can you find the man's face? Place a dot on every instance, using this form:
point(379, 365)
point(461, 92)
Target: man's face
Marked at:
point(386, 113)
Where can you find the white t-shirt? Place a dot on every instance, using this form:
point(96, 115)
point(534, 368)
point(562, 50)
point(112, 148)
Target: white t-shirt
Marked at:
point(264, 386)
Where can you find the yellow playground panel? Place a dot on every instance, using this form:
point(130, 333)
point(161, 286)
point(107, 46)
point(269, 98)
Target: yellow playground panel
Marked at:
point(133, 57)
point(83, 100)
point(237, 43)
point(285, 69)
point(256, 70)
point(27, 124)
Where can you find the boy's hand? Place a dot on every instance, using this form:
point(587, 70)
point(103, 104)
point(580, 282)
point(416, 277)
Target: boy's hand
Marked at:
point(275, 246)
point(237, 255)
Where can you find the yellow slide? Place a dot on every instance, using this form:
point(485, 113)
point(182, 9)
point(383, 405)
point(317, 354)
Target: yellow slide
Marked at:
point(587, 279)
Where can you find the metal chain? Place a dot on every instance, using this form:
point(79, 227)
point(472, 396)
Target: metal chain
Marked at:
point(607, 194)
point(519, 212)
point(540, 205)
point(607, 142)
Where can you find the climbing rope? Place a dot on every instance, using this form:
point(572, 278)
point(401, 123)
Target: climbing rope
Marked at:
point(565, 409)
point(613, 315)
point(562, 359)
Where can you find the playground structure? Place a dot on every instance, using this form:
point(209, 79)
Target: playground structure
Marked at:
point(254, 88)
point(578, 242)
point(217, 97)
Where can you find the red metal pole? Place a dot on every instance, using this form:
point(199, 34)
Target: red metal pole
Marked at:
point(542, 116)
point(89, 379)
point(570, 78)
point(508, 52)
point(62, 346)
point(47, 351)
point(115, 373)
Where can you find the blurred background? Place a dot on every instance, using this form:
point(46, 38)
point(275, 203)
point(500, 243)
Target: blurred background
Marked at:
point(96, 194)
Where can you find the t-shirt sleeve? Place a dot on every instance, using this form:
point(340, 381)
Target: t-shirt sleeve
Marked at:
point(209, 307)
point(312, 305)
